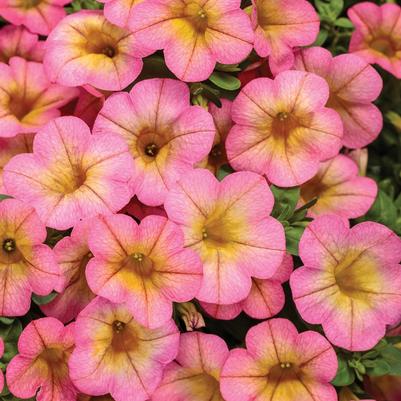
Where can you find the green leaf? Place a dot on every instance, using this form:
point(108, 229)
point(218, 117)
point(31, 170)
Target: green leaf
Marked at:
point(321, 38)
point(344, 23)
point(329, 11)
point(7, 320)
point(392, 356)
point(44, 299)
point(285, 202)
point(224, 171)
point(10, 334)
point(2, 197)
point(293, 234)
point(345, 374)
point(228, 67)
point(380, 368)
point(225, 81)
point(383, 210)
point(301, 212)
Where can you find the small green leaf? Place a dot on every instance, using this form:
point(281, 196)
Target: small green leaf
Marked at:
point(380, 368)
point(285, 201)
point(228, 67)
point(345, 375)
point(7, 320)
point(321, 38)
point(2, 197)
point(301, 212)
point(293, 234)
point(344, 23)
point(224, 171)
point(329, 11)
point(45, 299)
point(392, 356)
point(383, 210)
point(225, 81)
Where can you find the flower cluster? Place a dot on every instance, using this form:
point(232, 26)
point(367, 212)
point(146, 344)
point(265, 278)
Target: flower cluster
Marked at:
point(184, 197)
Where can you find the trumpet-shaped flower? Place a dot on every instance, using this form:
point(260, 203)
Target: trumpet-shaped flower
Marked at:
point(194, 34)
point(166, 135)
point(377, 34)
point(143, 266)
point(281, 25)
point(350, 282)
point(119, 12)
point(27, 98)
point(283, 129)
point(44, 348)
point(71, 174)
point(85, 48)
point(18, 41)
point(265, 299)
point(195, 373)
point(26, 265)
point(280, 364)
point(339, 190)
point(353, 85)
point(115, 355)
point(234, 241)
point(39, 16)
point(72, 254)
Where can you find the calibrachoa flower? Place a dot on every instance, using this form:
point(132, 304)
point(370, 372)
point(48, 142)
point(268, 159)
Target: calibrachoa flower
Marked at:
point(26, 265)
point(339, 190)
point(44, 348)
point(195, 373)
point(72, 254)
point(166, 135)
point(85, 48)
point(377, 34)
point(115, 354)
point(280, 364)
point(119, 11)
point(265, 299)
point(71, 174)
point(27, 98)
point(281, 25)
point(39, 16)
point(9, 147)
point(194, 35)
point(353, 85)
point(234, 241)
point(222, 120)
point(350, 282)
point(283, 129)
point(143, 266)
point(18, 41)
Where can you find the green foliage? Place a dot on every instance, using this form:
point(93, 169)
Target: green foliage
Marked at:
point(78, 5)
point(225, 81)
point(2, 197)
point(44, 299)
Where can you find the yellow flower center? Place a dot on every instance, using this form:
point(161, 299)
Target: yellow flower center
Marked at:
point(284, 124)
point(9, 245)
point(9, 252)
point(384, 45)
point(124, 337)
point(197, 16)
point(140, 264)
point(151, 150)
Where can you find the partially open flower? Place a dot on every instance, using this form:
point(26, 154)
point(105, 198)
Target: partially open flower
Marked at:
point(26, 265)
point(44, 348)
point(195, 373)
point(85, 48)
point(71, 174)
point(191, 317)
point(115, 355)
point(377, 34)
point(350, 282)
point(27, 98)
point(280, 364)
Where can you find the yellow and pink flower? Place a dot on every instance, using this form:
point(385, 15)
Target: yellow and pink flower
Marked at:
point(195, 373)
point(194, 35)
point(44, 348)
point(377, 35)
point(26, 264)
point(353, 85)
point(165, 134)
point(280, 364)
point(280, 26)
point(116, 355)
point(72, 254)
point(234, 241)
point(142, 266)
point(85, 48)
point(283, 129)
point(339, 190)
point(27, 98)
point(350, 282)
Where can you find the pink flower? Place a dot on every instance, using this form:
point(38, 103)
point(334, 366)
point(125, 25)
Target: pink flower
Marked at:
point(139, 211)
point(72, 254)
point(87, 49)
point(18, 41)
point(339, 190)
point(27, 98)
point(195, 373)
point(194, 35)
point(265, 299)
point(119, 12)
point(280, 364)
point(283, 129)
point(350, 282)
point(353, 85)
point(44, 348)
point(166, 135)
point(71, 174)
point(115, 354)
point(38, 16)
point(26, 265)
point(142, 266)
point(281, 25)
point(376, 38)
point(89, 104)
point(234, 241)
